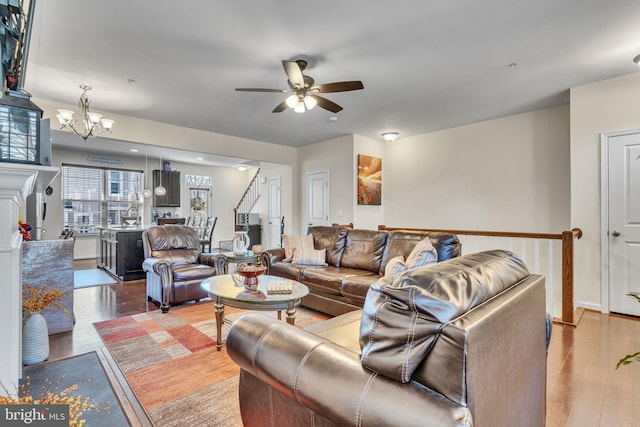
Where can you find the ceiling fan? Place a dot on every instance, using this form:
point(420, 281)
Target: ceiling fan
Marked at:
point(304, 90)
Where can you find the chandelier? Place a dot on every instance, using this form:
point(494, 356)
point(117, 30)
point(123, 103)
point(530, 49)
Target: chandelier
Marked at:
point(88, 124)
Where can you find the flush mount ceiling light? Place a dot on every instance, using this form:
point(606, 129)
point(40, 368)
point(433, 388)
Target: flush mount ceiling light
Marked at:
point(390, 136)
point(88, 124)
point(637, 60)
point(242, 168)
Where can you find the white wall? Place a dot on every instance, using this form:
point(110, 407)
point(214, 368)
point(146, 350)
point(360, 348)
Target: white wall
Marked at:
point(367, 217)
point(336, 156)
point(507, 174)
point(228, 185)
point(601, 107)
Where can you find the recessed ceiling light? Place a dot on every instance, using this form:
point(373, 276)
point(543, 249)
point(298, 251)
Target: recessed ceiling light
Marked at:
point(333, 118)
point(637, 60)
point(514, 65)
point(199, 158)
point(134, 150)
point(242, 168)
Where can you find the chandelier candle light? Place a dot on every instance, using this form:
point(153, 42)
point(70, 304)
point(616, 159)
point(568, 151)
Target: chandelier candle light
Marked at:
point(92, 123)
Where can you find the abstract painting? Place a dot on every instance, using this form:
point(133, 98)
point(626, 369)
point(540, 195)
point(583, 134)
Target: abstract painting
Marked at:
point(369, 180)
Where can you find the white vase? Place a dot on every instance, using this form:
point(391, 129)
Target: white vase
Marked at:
point(35, 339)
point(240, 242)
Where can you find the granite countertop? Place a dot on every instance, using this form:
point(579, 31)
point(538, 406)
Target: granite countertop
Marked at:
point(125, 227)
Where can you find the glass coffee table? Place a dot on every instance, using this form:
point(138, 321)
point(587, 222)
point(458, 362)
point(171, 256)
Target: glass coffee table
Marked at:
point(228, 289)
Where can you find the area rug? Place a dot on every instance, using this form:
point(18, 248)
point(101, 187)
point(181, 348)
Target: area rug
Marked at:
point(86, 370)
point(92, 277)
point(171, 363)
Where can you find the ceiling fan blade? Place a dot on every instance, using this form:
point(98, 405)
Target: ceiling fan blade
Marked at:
point(294, 74)
point(339, 86)
point(257, 89)
point(326, 104)
point(281, 107)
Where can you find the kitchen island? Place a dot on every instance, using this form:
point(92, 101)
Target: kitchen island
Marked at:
point(119, 251)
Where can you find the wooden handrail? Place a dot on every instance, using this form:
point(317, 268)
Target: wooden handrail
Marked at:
point(567, 238)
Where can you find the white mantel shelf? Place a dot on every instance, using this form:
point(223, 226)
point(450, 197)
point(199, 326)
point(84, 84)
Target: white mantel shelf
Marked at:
point(17, 181)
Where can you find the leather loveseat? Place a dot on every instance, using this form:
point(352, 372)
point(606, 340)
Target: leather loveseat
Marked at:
point(174, 265)
point(457, 343)
point(355, 260)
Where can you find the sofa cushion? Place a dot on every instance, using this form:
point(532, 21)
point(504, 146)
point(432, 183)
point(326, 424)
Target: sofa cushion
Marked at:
point(286, 270)
point(329, 279)
point(332, 239)
point(310, 257)
point(178, 244)
point(402, 242)
point(403, 316)
point(396, 265)
point(363, 250)
point(186, 272)
point(292, 242)
point(422, 254)
point(356, 287)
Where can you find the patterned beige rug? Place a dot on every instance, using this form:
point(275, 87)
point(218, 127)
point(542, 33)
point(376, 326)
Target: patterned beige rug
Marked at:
point(171, 363)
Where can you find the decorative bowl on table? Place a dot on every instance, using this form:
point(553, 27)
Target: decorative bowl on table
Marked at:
point(250, 273)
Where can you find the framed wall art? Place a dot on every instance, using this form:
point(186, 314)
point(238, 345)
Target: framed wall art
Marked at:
point(369, 180)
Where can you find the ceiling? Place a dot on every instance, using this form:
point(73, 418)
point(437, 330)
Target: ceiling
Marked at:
point(425, 65)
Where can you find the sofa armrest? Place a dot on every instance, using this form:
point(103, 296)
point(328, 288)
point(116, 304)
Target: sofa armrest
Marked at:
point(162, 268)
point(330, 380)
point(159, 266)
point(219, 261)
point(269, 257)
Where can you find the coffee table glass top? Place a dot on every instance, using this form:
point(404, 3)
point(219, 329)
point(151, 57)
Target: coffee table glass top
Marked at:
point(225, 286)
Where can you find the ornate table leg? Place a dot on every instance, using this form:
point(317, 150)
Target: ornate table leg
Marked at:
point(291, 312)
point(219, 320)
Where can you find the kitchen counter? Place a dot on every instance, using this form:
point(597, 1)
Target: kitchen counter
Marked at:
point(119, 251)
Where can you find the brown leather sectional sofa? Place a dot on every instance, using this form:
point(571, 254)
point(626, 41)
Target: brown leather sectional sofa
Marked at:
point(356, 259)
point(457, 343)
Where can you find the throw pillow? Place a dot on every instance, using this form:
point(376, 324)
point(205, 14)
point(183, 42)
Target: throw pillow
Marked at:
point(422, 254)
point(310, 257)
point(291, 243)
point(395, 266)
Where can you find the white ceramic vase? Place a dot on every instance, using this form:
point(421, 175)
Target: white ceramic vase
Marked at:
point(240, 242)
point(35, 339)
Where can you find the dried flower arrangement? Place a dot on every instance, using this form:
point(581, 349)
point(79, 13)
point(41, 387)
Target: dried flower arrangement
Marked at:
point(49, 395)
point(25, 230)
point(35, 300)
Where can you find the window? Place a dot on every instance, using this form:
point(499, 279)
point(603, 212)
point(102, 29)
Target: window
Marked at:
point(94, 197)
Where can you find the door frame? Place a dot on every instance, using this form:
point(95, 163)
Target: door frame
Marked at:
point(604, 214)
point(328, 194)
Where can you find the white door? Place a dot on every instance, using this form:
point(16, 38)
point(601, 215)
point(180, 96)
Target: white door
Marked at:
point(274, 213)
point(624, 223)
point(318, 193)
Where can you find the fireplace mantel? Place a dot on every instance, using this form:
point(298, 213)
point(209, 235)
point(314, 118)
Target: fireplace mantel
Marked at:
point(17, 181)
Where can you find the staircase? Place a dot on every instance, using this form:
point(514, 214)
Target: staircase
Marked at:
point(248, 199)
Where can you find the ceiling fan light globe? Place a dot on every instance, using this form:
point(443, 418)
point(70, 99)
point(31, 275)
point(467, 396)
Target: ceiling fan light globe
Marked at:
point(310, 102)
point(299, 108)
point(292, 101)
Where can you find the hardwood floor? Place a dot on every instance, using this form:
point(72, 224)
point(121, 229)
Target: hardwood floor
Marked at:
point(583, 386)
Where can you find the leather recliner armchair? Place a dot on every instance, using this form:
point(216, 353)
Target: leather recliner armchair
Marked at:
point(174, 265)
